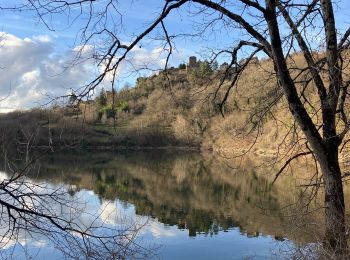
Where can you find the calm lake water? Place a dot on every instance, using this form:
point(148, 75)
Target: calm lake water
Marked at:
point(194, 206)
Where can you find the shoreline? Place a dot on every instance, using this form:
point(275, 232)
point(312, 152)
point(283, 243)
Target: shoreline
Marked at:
point(116, 148)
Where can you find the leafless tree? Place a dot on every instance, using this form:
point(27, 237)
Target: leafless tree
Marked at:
point(259, 23)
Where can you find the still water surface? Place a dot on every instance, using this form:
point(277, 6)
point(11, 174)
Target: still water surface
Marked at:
point(195, 206)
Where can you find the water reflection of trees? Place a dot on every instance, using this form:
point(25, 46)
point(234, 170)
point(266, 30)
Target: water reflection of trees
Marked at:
point(200, 194)
point(34, 210)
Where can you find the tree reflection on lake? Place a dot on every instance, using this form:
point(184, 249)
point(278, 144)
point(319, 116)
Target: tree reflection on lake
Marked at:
point(228, 212)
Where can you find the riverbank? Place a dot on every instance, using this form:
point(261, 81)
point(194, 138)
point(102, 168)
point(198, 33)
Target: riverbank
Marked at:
point(122, 148)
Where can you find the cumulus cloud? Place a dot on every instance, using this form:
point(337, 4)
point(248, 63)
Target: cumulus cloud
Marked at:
point(141, 61)
point(160, 230)
point(109, 213)
point(34, 70)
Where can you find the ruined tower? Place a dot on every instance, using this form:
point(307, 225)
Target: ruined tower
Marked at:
point(192, 63)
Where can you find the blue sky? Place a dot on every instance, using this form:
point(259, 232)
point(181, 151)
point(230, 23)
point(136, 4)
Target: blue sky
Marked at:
point(35, 60)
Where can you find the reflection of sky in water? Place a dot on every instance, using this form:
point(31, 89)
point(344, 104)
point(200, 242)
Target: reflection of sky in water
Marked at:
point(174, 243)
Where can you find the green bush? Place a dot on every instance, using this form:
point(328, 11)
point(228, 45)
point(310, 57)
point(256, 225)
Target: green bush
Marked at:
point(110, 111)
point(123, 106)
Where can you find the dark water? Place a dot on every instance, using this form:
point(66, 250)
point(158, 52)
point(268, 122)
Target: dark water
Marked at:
point(195, 206)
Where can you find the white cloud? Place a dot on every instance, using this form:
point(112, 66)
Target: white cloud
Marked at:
point(160, 230)
point(42, 38)
point(139, 61)
point(109, 213)
point(33, 69)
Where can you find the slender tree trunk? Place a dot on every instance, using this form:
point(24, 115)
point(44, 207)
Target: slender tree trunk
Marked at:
point(335, 234)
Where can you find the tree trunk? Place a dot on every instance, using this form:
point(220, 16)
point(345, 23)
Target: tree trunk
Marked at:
point(326, 148)
point(335, 234)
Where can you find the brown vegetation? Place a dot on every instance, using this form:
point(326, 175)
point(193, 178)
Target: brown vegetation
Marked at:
point(173, 108)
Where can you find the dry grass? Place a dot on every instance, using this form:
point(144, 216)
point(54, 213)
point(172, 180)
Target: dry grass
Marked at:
point(186, 114)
